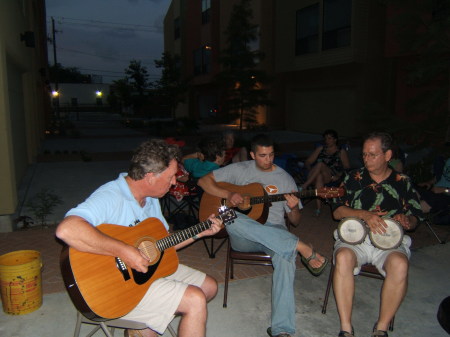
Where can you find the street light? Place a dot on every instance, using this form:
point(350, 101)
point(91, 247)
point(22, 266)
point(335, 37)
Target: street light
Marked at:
point(55, 94)
point(98, 93)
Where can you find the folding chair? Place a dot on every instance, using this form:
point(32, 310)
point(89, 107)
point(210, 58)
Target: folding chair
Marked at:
point(108, 327)
point(367, 270)
point(221, 235)
point(429, 219)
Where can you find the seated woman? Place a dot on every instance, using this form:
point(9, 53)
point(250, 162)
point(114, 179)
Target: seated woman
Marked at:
point(326, 164)
point(210, 157)
point(233, 154)
point(435, 195)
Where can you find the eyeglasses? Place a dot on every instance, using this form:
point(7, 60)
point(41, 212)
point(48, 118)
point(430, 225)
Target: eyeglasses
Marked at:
point(371, 155)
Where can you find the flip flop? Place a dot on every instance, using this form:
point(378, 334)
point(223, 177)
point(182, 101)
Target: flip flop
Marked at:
point(315, 271)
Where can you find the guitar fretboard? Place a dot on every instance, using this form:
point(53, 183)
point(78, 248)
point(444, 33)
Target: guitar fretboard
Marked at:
point(280, 197)
point(178, 237)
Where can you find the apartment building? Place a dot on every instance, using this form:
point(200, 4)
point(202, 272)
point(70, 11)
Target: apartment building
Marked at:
point(334, 62)
point(24, 98)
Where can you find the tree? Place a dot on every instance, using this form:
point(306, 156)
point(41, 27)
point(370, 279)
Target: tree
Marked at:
point(62, 74)
point(243, 86)
point(422, 29)
point(137, 76)
point(120, 94)
point(170, 88)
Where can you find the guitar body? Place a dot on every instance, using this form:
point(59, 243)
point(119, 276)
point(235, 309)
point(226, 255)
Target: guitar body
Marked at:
point(209, 203)
point(97, 286)
point(256, 201)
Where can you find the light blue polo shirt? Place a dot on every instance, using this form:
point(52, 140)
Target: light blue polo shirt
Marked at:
point(113, 203)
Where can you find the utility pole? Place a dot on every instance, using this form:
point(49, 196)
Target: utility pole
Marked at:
point(56, 99)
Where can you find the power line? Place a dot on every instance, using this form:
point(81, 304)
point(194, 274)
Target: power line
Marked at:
point(105, 71)
point(106, 24)
point(102, 56)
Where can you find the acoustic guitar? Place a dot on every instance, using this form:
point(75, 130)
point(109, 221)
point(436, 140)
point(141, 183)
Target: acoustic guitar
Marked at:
point(102, 287)
point(256, 200)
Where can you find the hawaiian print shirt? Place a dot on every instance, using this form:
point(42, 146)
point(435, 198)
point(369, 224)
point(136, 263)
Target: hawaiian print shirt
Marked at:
point(394, 195)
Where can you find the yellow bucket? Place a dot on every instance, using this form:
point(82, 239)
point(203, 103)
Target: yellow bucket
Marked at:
point(20, 281)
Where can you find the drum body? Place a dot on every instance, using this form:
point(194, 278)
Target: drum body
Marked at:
point(391, 239)
point(352, 230)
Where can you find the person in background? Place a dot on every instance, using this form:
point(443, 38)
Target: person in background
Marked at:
point(327, 164)
point(435, 194)
point(374, 192)
point(210, 157)
point(126, 201)
point(233, 154)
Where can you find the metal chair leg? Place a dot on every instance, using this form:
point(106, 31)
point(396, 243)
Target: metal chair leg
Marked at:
point(428, 223)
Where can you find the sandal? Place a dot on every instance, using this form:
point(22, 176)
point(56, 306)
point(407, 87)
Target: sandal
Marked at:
point(315, 271)
point(346, 333)
point(378, 333)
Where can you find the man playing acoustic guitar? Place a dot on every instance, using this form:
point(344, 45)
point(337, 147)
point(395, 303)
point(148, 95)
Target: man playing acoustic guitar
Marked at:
point(126, 201)
point(374, 192)
point(272, 237)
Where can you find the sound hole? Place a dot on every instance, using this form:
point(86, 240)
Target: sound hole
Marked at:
point(149, 249)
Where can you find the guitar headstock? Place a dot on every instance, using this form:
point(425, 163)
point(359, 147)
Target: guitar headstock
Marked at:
point(330, 192)
point(227, 214)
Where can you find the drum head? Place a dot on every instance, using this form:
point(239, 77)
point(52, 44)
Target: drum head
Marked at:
point(389, 240)
point(352, 230)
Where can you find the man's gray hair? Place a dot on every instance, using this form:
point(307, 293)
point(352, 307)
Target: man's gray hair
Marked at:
point(152, 156)
point(385, 138)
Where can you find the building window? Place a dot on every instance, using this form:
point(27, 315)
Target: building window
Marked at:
point(337, 19)
point(206, 11)
point(307, 35)
point(323, 26)
point(202, 60)
point(176, 28)
point(440, 10)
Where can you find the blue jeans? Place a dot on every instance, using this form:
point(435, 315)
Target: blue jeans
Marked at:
point(248, 235)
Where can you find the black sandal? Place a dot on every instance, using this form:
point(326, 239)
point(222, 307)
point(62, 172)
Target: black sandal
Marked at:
point(378, 333)
point(346, 333)
point(315, 271)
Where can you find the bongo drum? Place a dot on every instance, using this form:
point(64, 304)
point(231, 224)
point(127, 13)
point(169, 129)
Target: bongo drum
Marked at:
point(352, 230)
point(391, 239)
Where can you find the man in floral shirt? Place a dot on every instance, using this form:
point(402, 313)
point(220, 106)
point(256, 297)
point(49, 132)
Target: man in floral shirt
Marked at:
point(373, 193)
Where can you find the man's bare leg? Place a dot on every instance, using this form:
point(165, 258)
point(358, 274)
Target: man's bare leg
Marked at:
point(344, 286)
point(394, 288)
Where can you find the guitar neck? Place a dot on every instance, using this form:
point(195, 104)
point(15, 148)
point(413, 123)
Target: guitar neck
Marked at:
point(280, 197)
point(183, 235)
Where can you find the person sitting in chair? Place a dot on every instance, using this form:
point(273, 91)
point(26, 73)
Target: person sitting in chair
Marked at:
point(327, 164)
point(273, 238)
point(373, 193)
point(210, 157)
point(126, 201)
point(233, 153)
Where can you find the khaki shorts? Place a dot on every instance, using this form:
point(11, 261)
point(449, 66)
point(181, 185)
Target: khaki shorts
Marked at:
point(367, 253)
point(159, 304)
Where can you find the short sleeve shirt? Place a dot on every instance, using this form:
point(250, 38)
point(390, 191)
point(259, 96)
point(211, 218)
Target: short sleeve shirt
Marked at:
point(113, 203)
point(394, 195)
point(199, 168)
point(277, 181)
